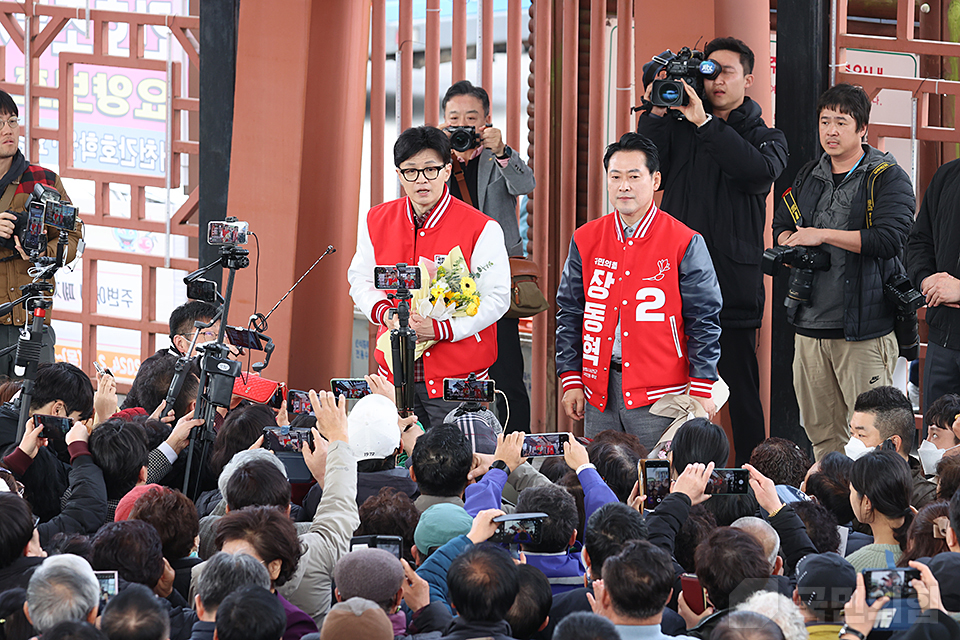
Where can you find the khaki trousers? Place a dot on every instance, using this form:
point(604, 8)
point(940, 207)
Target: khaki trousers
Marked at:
point(828, 375)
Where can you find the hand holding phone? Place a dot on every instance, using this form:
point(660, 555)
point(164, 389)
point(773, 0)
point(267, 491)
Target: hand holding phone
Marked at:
point(890, 583)
point(693, 593)
point(544, 444)
point(519, 528)
point(55, 430)
point(353, 388)
point(655, 481)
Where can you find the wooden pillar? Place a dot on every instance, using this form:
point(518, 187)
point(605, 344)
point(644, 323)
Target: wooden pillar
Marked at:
point(295, 175)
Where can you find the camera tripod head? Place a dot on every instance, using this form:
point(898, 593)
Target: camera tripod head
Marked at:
point(234, 257)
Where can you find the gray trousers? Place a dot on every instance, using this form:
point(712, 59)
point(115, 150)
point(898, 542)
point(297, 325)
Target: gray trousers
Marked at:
point(430, 411)
point(640, 422)
point(9, 335)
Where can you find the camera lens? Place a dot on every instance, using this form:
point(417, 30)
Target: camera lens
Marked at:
point(463, 139)
point(669, 93)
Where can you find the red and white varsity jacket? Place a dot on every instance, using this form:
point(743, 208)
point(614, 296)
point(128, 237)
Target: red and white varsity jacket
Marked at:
point(662, 287)
point(387, 235)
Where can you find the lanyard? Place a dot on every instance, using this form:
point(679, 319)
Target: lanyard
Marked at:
point(862, 156)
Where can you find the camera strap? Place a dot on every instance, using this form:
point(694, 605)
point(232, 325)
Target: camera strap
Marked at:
point(871, 183)
point(461, 180)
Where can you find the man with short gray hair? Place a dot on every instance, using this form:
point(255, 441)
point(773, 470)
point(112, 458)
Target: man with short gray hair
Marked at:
point(223, 574)
point(63, 588)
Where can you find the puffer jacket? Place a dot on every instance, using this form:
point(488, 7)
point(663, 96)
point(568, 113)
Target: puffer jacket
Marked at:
point(867, 313)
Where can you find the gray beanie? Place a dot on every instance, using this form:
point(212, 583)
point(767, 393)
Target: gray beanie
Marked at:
point(373, 574)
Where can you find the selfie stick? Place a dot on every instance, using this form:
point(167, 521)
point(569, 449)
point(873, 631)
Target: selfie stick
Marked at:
point(403, 344)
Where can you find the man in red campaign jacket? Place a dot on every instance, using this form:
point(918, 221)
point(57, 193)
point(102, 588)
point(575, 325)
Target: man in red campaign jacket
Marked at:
point(638, 306)
point(429, 223)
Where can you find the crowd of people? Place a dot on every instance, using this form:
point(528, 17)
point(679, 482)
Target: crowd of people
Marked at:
point(390, 537)
point(388, 524)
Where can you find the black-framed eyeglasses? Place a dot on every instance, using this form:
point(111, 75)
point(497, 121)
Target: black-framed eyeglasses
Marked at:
point(209, 335)
point(412, 175)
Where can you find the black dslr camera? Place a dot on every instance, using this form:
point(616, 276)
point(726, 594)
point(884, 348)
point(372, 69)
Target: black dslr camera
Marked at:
point(688, 65)
point(463, 138)
point(906, 326)
point(803, 262)
point(44, 208)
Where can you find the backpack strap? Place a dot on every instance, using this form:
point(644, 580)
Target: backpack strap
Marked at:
point(870, 187)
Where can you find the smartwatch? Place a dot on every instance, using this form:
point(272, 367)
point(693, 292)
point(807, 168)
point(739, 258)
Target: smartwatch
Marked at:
point(500, 464)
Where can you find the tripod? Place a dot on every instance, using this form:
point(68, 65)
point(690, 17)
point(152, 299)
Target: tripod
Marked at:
point(403, 345)
point(36, 300)
point(217, 371)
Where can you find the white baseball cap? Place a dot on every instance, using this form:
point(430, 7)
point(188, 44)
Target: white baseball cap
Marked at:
point(372, 427)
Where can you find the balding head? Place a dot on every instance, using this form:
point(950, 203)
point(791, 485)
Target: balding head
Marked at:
point(766, 535)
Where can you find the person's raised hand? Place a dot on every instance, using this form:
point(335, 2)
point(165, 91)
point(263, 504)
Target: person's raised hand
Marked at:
point(180, 436)
point(331, 415)
point(693, 482)
point(316, 458)
point(492, 138)
point(508, 449)
point(596, 598)
point(857, 614)
point(7, 221)
point(381, 385)
point(410, 432)
point(484, 526)
point(416, 590)
point(575, 454)
point(574, 403)
point(105, 399)
point(636, 499)
point(78, 433)
point(165, 584)
point(764, 490)
point(693, 110)
point(927, 588)
point(689, 617)
point(159, 411)
point(30, 443)
point(283, 417)
point(481, 464)
point(258, 443)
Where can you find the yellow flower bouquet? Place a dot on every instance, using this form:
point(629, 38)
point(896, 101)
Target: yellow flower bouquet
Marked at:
point(449, 290)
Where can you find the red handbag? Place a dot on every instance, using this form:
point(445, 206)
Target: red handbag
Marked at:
point(251, 386)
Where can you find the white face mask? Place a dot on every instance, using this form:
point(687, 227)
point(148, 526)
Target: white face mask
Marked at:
point(930, 456)
point(855, 448)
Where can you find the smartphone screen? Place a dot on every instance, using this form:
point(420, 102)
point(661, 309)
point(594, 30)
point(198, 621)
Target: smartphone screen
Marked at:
point(108, 586)
point(389, 277)
point(291, 442)
point(519, 528)
point(240, 337)
point(55, 430)
point(892, 583)
point(34, 236)
point(464, 390)
point(298, 402)
point(390, 544)
point(655, 475)
point(353, 388)
point(538, 445)
point(728, 482)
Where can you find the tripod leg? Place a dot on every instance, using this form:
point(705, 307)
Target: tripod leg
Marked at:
point(398, 369)
point(409, 389)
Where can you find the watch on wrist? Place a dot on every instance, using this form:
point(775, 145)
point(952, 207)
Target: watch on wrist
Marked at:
point(846, 630)
point(500, 464)
point(506, 153)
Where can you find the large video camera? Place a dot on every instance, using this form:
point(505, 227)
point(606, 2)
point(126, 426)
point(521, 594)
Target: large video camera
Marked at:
point(45, 207)
point(803, 262)
point(688, 65)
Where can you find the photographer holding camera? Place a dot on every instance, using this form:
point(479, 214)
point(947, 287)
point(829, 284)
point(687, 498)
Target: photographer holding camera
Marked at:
point(16, 185)
point(855, 205)
point(490, 176)
point(718, 163)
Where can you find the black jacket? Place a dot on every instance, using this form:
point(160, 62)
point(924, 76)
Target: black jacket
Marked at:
point(573, 601)
point(86, 509)
point(716, 179)
point(867, 313)
point(934, 247)
point(460, 629)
